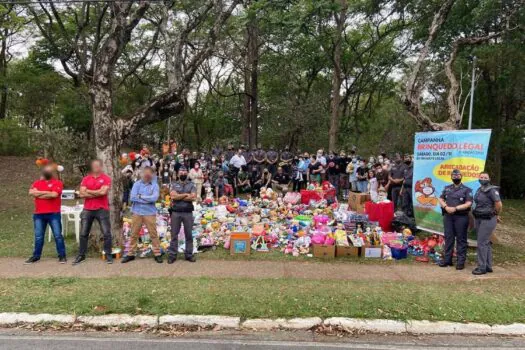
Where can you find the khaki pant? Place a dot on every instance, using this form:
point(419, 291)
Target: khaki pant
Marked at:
point(151, 224)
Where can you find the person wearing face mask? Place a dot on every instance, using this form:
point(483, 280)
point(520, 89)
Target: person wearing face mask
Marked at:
point(344, 184)
point(396, 179)
point(321, 159)
point(197, 177)
point(46, 193)
point(382, 176)
point(144, 194)
point(183, 193)
point(286, 160)
point(272, 156)
point(229, 153)
point(406, 188)
point(455, 201)
point(362, 177)
point(259, 157)
point(487, 208)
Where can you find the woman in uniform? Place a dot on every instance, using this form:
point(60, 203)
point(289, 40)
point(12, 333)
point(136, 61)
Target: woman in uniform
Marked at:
point(487, 207)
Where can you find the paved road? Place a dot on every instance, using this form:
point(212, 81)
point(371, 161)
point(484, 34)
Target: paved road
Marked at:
point(235, 340)
point(92, 268)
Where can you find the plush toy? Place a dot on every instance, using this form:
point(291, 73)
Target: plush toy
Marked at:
point(41, 162)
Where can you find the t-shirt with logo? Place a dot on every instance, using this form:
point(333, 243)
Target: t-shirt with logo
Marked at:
point(95, 183)
point(48, 205)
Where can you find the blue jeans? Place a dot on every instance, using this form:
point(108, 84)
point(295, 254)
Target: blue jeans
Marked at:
point(40, 222)
point(362, 186)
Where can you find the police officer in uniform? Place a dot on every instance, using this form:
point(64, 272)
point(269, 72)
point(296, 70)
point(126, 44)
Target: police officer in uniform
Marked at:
point(396, 179)
point(259, 157)
point(487, 207)
point(272, 156)
point(286, 160)
point(183, 193)
point(455, 202)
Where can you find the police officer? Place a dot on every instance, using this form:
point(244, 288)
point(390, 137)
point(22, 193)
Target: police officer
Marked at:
point(487, 207)
point(455, 202)
point(259, 157)
point(272, 156)
point(183, 193)
point(406, 187)
point(286, 160)
point(397, 173)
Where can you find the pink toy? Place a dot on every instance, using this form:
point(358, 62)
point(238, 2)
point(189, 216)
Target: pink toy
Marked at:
point(320, 220)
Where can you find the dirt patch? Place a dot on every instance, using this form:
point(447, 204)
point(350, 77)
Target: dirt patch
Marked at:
point(16, 174)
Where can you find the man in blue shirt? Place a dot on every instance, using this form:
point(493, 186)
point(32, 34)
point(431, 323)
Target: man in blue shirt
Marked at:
point(144, 194)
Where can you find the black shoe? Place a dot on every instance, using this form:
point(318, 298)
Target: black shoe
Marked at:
point(489, 270)
point(444, 264)
point(191, 258)
point(477, 271)
point(109, 259)
point(31, 260)
point(460, 267)
point(62, 259)
point(127, 258)
point(79, 259)
point(158, 259)
point(172, 259)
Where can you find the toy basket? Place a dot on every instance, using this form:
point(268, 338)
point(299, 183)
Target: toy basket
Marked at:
point(399, 253)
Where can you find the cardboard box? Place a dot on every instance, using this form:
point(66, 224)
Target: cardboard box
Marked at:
point(347, 251)
point(240, 243)
point(324, 251)
point(373, 251)
point(356, 201)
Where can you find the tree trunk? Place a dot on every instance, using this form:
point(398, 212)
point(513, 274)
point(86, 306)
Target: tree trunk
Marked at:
point(107, 147)
point(340, 19)
point(3, 76)
point(251, 72)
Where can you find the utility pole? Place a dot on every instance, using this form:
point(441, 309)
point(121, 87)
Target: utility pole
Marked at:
point(473, 58)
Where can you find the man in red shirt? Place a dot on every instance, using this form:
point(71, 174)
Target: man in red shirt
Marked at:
point(46, 193)
point(94, 188)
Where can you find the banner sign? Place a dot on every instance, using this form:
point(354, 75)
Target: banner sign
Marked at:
point(436, 154)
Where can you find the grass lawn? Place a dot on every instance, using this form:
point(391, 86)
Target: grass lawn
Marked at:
point(478, 301)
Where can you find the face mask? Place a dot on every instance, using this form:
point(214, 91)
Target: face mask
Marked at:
point(407, 162)
point(47, 176)
point(456, 181)
point(183, 177)
point(484, 182)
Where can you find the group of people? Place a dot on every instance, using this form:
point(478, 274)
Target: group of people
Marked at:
point(456, 202)
point(187, 179)
point(94, 189)
point(231, 172)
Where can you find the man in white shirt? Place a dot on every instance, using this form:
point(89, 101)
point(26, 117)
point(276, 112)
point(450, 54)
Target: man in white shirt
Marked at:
point(238, 160)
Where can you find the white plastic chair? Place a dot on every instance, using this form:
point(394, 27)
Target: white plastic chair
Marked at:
point(71, 214)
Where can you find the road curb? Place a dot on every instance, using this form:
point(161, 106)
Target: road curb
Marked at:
point(374, 326)
point(119, 319)
point(201, 320)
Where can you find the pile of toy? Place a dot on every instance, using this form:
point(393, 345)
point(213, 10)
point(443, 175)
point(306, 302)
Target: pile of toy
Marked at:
point(274, 223)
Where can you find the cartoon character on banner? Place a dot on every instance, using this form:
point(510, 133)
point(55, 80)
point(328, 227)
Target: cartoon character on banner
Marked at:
point(426, 193)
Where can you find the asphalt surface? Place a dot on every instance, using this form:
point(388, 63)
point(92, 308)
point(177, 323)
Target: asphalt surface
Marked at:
point(15, 339)
point(96, 268)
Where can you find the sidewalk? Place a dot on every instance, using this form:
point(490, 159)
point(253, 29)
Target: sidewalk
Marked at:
point(96, 268)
